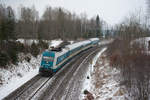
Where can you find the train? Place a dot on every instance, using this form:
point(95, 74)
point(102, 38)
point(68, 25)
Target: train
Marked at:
point(53, 60)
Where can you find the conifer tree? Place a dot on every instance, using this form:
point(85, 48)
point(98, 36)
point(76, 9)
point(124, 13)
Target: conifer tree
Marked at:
point(98, 27)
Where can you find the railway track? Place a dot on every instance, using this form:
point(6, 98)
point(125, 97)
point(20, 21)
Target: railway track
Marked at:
point(56, 87)
point(23, 92)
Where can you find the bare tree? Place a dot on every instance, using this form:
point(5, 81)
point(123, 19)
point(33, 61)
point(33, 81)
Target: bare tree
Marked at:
point(54, 23)
point(7, 23)
point(131, 58)
point(28, 23)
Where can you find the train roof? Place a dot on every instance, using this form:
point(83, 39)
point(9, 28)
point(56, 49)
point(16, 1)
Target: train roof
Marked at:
point(75, 45)
point(94, 39)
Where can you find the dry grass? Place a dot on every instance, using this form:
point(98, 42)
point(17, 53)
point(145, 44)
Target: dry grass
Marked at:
point(134, 66)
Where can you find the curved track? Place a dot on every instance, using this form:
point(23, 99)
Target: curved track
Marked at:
point(61, 85)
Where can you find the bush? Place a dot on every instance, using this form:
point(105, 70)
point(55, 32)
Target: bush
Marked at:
point(13, 54)
point(4, 59)
point(13, 51)
point(27, 59)
point(34, 49)
point(9, 52)
point(43, 44)
point(20, 47)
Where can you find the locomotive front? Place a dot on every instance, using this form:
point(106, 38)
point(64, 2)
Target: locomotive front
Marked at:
point(47, 63)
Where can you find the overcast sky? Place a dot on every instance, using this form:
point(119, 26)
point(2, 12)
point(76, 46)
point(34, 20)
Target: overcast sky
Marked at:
point(112, 11)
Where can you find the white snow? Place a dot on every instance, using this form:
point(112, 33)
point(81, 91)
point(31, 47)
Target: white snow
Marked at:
point(87, 82)
point(27, 41)
point(55, 43)
point(71, 42)
point(96, 58)
point(103, 82)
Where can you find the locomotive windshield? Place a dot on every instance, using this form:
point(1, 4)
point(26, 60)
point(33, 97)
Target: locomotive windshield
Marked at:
point(47, 59)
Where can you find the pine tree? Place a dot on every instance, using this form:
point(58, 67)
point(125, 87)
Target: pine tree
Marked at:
point(98, 27)
point(10, 24)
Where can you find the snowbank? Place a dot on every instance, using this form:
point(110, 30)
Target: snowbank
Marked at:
point(17, 75)
point(88, 82)
point(50, 42)
point(102, 82)
point(27, 41)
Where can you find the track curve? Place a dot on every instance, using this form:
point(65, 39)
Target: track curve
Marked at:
point(57, 87)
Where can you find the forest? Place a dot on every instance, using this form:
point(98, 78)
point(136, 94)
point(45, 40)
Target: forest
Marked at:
point(55, 23)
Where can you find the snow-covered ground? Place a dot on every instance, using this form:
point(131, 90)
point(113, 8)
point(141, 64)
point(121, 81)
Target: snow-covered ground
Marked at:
point(27, 41)
point(103, 81)
point(17, 75)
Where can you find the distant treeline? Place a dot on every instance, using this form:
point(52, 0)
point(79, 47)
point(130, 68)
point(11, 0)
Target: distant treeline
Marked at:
point(54, 23)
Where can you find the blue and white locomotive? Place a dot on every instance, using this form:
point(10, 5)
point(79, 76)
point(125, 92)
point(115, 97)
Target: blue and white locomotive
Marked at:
point(53, 60)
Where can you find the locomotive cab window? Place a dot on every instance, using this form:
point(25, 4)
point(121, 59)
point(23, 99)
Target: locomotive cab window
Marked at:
point(49, 59)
